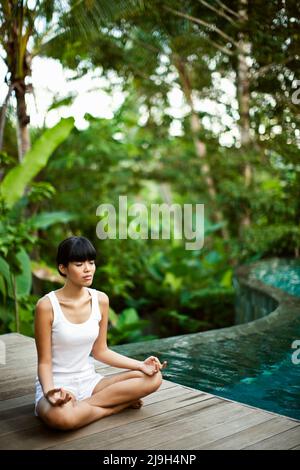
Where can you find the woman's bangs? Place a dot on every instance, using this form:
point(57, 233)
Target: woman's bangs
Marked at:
point(82, 252)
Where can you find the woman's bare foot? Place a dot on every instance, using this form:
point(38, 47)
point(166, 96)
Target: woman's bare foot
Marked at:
point(137, 404)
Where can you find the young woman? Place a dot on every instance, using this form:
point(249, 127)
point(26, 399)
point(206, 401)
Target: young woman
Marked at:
point(70, 325)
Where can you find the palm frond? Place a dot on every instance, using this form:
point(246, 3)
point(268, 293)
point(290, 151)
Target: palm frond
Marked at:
point(85, 17)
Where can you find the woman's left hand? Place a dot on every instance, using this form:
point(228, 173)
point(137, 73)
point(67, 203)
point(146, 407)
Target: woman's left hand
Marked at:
point(151, 365)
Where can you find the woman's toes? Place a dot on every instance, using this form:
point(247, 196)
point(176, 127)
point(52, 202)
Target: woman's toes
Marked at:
point(137, 404)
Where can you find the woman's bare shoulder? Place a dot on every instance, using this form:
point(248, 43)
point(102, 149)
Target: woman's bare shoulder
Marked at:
point(43, 321)
point(44, 302)
point(43, 305)
point(102, 297)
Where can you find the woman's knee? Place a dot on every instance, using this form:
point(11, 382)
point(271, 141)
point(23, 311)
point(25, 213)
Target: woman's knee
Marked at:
point(60, 418)
point(154, 382)
point(158, 379)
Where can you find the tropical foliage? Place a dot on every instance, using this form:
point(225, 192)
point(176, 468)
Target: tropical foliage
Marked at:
point(232, 145)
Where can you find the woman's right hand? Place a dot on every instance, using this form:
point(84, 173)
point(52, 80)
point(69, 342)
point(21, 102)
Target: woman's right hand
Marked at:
point(151, 365)
point(59, 396)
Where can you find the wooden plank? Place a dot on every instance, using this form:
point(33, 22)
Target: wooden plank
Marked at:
point(174, 417)
point(151, 432)
point(22, 411)
point(12, 358)
point(16, 338)
point(17, 368)
point(10, 374)
point(12, 366)
point(19, 350)
point(18, 418)
point(204, 431)
point(165, 394)
point(281, 441)
point(252, 434)
point(14, 403)
point(17, 388)
point(169, 436)
point(26, 372)
point(40, 437)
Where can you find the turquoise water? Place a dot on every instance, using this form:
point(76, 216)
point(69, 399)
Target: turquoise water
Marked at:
point(279, 273)
point(255, 369)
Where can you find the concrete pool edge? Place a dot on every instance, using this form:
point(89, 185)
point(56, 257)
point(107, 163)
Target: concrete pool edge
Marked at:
point(288, 307)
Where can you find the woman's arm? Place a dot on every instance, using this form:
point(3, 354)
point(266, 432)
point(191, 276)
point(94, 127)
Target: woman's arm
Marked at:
point(42, 332)
point(100, 350)
point(118, 360)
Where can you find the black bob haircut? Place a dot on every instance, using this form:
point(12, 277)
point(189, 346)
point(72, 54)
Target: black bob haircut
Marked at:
point(74, 249)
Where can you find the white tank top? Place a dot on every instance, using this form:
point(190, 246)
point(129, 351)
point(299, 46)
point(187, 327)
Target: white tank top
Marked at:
point(73, 342)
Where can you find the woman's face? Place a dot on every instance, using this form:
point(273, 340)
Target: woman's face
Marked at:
point(79, 272)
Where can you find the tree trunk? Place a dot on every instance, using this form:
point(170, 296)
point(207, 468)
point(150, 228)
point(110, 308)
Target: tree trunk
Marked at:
point(22, 120)
point(200, 147)
point(3, 112)
point(243, 92)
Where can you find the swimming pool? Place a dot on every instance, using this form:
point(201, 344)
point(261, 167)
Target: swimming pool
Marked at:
point(281, 273)
point(251, 362)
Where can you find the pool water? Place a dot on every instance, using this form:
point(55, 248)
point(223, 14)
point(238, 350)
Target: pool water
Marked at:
point(255, 369)
point(279, 273)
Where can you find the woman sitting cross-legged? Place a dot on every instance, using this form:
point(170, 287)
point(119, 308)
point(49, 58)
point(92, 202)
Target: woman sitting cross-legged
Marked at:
point(70, 324)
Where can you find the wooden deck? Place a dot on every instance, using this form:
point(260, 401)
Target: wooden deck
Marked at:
point(174, 417)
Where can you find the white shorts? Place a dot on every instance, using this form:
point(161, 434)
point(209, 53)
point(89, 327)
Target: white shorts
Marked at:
point(81, 385)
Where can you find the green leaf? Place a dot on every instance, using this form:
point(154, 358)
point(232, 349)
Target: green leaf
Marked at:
point(16, 180)
point(132, 327)
point(67, 101)
point(214, 227)
point(4, 270)
point(3, 287)
point(172, 281)
point(5, 276)
point(128, 316)
point(226, 280)
point(45, 219)
point(24, 279)
point(113, 317)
